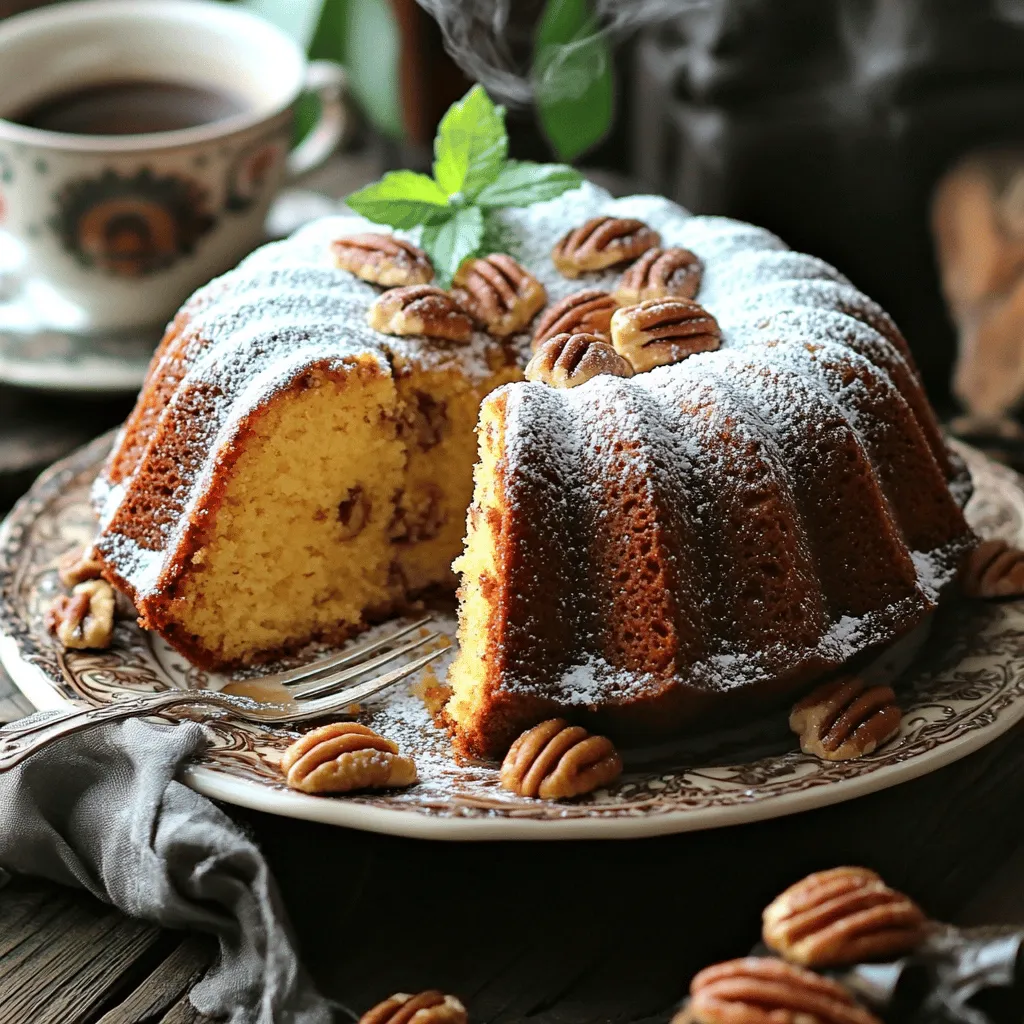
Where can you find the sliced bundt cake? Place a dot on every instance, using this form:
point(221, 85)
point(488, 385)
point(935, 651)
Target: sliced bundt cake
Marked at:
point(710, 535)
point(642, 549)
point(289, 473)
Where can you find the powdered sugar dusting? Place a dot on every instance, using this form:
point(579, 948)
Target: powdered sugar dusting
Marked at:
point(287, 307)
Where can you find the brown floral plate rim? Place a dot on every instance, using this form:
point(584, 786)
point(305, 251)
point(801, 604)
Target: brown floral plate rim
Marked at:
point(961, 693)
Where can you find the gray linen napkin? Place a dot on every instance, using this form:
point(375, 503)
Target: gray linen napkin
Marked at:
point(102, 810)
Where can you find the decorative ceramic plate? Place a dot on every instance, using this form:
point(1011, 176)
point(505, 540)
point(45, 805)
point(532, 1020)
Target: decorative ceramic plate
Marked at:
point(966, 690)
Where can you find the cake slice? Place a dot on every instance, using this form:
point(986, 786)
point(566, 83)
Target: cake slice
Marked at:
point(288, 473)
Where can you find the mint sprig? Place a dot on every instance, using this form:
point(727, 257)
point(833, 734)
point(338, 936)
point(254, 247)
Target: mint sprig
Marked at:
point(472, 177)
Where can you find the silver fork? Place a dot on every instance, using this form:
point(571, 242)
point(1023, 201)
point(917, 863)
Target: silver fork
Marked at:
point(323, 692)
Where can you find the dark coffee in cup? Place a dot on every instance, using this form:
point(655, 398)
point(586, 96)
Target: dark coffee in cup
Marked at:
point(129, 108)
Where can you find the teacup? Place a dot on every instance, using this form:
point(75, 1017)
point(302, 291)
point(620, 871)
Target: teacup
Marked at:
point(117, 229)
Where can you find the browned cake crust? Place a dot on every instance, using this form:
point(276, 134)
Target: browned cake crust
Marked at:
point(708, 539)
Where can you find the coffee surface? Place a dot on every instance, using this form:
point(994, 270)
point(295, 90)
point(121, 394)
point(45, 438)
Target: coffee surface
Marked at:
point(129, 108)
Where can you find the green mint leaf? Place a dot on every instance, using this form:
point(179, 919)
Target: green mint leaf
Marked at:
point(455, 240)
point(522, 183)
point(471, 144)
point(402, 199)
point(572, 76)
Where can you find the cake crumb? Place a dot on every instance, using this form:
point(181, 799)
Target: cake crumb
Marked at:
point(431, 690)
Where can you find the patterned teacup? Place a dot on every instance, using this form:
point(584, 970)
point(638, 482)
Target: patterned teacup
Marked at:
point(116, 230)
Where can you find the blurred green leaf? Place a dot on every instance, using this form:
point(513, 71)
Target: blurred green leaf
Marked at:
point(299, 18)
point(402, 199)
point(371, 56)
point(470, 145)
point(573, 78)
point(522, 183)
point(453, 241)
point(330, 41)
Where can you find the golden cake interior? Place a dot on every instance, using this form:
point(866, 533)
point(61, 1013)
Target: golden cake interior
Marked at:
point(371, 476)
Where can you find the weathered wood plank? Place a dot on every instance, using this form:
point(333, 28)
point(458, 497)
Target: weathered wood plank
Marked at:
point(183, 1012)
point(170, 981)
point(24, 908)
point(67, 962)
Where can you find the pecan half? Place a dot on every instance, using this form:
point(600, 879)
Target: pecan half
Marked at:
point(657, 332)
point(78, 565)
point(383, 259)
point(420, 309)
point(343, 756)
point(993, 569)
point(759, 990)
point(568, 360)
point(602, 242)
point(660, 273)
point(498, 293)
point(585, 312)
point(555, 760)
point(845, 718)
point(353, 512)
point(84, 620)
point(431, 1007)
point(842, 916)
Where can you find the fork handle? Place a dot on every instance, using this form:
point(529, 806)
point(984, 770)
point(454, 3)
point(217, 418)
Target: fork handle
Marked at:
point(15, 747)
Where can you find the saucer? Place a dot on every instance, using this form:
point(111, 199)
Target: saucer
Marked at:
point(52, 360)
point(35, 354)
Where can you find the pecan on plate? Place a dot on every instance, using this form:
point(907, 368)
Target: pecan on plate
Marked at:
point(383, 260)
point(78, 565)
point(993, 569)
point(568, 360)
point(584, 312)
point(84, 619)
point(759, 990)
point(343, 756)
point(602, 242)
point(431, 1007)
point(657, 332)
point(420, 309)
point(498, 293)
point(842, 916)
point(658, 274)
point(555, 760)
point(845, 718)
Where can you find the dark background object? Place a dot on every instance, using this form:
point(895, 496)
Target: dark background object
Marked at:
point(830, 123)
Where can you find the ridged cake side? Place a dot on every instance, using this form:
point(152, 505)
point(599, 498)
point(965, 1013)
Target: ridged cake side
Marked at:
point(709, 537)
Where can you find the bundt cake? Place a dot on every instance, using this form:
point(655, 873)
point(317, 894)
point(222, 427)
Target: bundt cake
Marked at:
point(641, 550)
point(707, 537)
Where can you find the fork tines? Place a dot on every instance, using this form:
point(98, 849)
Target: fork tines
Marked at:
point(329, 676)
